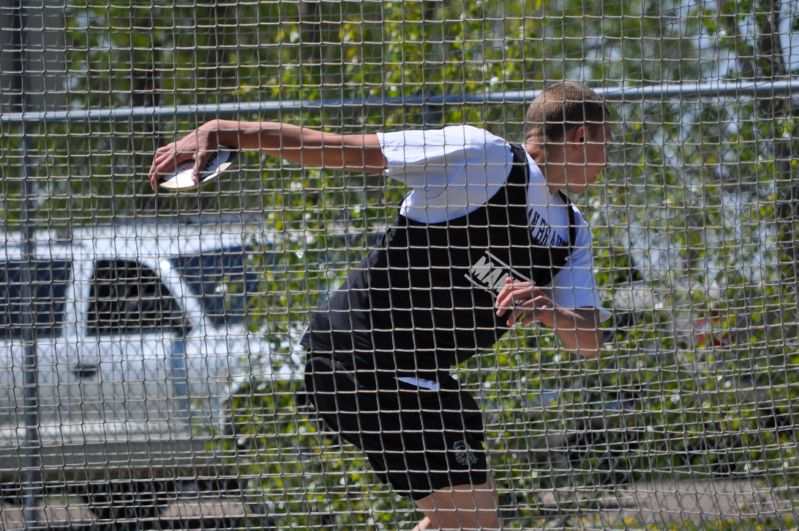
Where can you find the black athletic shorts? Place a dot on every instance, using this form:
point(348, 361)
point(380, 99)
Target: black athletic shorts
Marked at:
point(419, 436)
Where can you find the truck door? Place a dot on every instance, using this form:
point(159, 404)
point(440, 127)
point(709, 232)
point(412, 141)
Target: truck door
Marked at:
point(132, 320)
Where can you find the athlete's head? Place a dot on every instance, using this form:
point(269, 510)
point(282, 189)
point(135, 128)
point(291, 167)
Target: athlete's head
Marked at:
point(566, 129)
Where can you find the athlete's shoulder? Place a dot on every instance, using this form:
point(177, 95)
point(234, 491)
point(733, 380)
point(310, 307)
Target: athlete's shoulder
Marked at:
point(481, 152)
point(451, 138)
point(479, 135)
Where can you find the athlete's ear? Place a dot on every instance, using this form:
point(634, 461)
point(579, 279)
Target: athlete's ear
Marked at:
point(576, 135)
point(580, 134)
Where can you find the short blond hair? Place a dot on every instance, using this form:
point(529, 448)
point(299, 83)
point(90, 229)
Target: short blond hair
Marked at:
point(560, 107)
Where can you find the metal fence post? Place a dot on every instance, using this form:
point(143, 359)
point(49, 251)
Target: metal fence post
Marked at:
point(32, 490)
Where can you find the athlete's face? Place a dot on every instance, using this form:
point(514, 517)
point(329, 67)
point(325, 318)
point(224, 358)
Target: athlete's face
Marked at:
point(585, 156)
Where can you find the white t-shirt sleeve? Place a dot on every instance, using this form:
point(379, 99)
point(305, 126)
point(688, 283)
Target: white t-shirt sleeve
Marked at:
point(451, 171)
point(574, 285)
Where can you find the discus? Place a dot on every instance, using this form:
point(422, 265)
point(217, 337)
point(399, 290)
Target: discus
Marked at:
point(182, 179)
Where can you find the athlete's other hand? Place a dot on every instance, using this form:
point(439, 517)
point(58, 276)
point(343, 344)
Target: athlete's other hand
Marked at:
point(526, 302)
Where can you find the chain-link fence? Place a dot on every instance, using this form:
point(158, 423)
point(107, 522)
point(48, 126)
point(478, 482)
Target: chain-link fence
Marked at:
point(151, 365)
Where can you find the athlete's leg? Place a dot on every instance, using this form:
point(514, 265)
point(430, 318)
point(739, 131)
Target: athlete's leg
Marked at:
point(461, 507)
point(419, 440)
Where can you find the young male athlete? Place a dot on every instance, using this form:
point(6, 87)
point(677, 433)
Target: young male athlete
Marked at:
point(484, 239)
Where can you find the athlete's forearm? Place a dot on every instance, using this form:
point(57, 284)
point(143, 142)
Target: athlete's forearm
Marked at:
point(303, 145)
point(578, 330)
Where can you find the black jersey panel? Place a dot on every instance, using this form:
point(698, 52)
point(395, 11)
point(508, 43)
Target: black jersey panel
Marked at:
point(424, 296)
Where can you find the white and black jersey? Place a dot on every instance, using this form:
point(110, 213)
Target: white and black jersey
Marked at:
point(479, 210)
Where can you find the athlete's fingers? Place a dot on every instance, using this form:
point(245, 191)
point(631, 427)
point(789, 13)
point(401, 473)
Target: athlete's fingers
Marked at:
point(166, 159)
point(506, 296)
point(507, 302)
point(513, 294)
point(510, 302)
point(521, 311)
point(530, 310)
point(159, 164)
point(519, 314)
point(503, 294)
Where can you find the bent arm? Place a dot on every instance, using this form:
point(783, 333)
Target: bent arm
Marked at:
point(303, 145)
point(577, 329)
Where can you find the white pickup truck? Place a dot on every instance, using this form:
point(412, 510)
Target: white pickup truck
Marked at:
point(140, 338)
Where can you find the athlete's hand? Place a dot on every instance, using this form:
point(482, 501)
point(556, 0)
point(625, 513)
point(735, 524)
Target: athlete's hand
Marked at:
point(526, 302)
point(199, 146)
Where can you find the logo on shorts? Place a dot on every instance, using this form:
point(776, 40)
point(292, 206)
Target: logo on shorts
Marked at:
point(464, 454)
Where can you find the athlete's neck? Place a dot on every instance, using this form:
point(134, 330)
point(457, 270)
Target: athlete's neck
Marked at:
point(550, 164)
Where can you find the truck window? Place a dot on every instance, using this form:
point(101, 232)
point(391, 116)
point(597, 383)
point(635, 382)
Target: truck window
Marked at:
point(222, 282)
point(48, 288)
point(129, 298)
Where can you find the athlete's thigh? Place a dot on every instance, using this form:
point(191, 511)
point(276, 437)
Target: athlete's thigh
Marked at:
point(442, 438)
point(347, 399)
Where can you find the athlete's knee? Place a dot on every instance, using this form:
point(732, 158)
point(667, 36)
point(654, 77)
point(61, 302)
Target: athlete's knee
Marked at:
point(453, 518)
point(462, 507)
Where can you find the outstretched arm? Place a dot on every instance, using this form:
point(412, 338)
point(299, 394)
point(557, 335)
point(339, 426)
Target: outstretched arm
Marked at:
point(577, 329)
point(302, 145)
